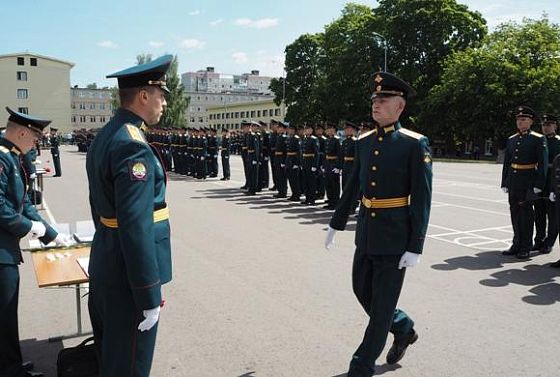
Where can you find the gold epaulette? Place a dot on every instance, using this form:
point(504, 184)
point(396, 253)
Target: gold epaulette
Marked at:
point(512, 136)
point(296, 136)
point(354, 138)
point(135, 133)
point(410, 133)
point(557, 137)
point(536, 134)
point(3, 149)
point(366, 134)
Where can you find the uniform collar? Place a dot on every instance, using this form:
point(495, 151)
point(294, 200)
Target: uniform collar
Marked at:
point(132, 118)
point(524, 132)
point(11, 146)
point(388, 129)
point(552, 135)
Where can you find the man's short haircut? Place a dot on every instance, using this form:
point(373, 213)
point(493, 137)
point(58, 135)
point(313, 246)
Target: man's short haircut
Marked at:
point(127, 95)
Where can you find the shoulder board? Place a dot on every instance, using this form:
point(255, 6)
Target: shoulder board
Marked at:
point(557, 137)
point(409, 133)
point(296, 136)
point(337, 137)
point(512, 136)
point(313, 137)
point(365, 134)
point(134, 133)
point(354, 138)
point(536, 134)
point(3, 149)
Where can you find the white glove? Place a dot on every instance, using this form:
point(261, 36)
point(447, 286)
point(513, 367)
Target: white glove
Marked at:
point(295, 167)
point(322, 170)
point(254, 162)
point(64, 240)
point(552, 197)
point(329, 240)
point(38, 229)
point(152, 316)
point(409, 259)
point(537, 190)
point(266, 158)
point(32, 176)
point(282, 165)
point(313, 169)
point(226, 157)
point(202, 158)
point(505, 190)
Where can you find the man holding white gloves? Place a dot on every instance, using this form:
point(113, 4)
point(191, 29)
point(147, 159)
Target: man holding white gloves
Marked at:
point(393, 172)
point(523, 178)
point(18, 218)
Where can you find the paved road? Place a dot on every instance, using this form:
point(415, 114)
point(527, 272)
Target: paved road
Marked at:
point(255, 294)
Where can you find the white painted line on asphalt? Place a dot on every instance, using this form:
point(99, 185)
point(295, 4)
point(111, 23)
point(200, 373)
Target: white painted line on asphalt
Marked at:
point(497, 228)
point(504, 201)
point(470, 235)
point(505, 213)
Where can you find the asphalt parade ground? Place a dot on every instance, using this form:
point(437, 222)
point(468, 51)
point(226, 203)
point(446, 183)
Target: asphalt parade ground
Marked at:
point(255, 294)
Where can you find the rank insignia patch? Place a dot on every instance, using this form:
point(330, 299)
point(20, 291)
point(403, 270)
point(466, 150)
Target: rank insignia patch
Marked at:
point(427, 158)
point(137, 170)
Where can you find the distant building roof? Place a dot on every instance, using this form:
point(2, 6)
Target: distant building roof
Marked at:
point(37, 56)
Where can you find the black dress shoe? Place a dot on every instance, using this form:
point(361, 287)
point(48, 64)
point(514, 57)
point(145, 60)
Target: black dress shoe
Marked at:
point(243, 187)
point(511, 251)
point(293, 199)
point(555, 264)
point(522, 254)
point(250, 193)
point(545, 250)
point(223, 179)
point(27, 365)
point(398, 349)
point(280, 196)
point(537, 246)
point(33, 374)
point(273, 188)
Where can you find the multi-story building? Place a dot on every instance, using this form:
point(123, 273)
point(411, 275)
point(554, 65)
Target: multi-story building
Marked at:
point(209, 89)
point(230, 116)
point(91, 108)
point(37, 85)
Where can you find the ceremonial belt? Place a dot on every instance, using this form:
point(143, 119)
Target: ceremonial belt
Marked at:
point(159, 215)
point(292, 153)
point(331, 157)
point(251, 150)
point(278, 153)
point(385, 203)
point(523, 166)
point(309, 155)
point(348, 158)
point(244, 147)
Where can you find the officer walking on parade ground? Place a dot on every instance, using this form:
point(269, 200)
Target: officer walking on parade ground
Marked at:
point(523, 178)
point(273, 139)
point(393, 173)
point(225, 149)
point(213, 152)
point(131, 253)
point(319, 133)
point(253, 153)
point(55, 152)
point(545, 210)
point(264, 142)
point(18, 218)
point(280, 154)
point(310, 164)
point(348, 155)
point(333, 167)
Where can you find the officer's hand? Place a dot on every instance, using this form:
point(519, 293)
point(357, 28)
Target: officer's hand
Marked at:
point(64, 240)
point(38, 229)
point(313, 169)
point(552, 197)
point(32, 176)
point(505, 190)
point(537, 190)
point(202, 158)
point(254, 162)
point(322, 170)
point(329, 240)
point(409, 259)
point(282, 165)
point(152, 316)
point(295, 167)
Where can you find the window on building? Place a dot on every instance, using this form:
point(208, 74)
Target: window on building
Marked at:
point(237, 114)
point(73, 119)
point(192, 120)
point(92, 119)
point(227, 115)
point(22, 76)
point(82, 119)
point(277, 112)
point(271, 111)
point(252, 113)
point(258, 113)
point(73, 105)
point(198, 109)
point(265, 113)
point(82, 106)
point(92, 106)
point(34, 62)
point(23, 110)
point(243, 114)
point(22, 94)
point(20, 61)
point(101, 106)
point(200, 120)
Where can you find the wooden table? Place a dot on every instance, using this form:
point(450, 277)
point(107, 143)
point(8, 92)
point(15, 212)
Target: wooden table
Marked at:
point(62, 272)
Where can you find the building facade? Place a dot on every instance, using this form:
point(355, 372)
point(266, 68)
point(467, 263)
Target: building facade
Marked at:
point(91, 108)
point(37, 85)
point(230, 116)
point(209, 89)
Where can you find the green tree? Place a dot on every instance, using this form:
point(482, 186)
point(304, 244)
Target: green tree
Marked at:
point(177, 101)
point(143, 58)
point(92, 86)
point(480, 87)
point(299, 91)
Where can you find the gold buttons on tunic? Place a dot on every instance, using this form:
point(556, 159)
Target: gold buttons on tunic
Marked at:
point(376, 153)
point(373, 214)
point(380, 138)
point(374, 168)
point(373, 184)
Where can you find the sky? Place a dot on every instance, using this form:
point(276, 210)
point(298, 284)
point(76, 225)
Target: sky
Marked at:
point(104, 36)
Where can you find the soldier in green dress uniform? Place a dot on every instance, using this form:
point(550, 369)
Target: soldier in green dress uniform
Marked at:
point(280, 154)
point(333, 166)
point(393, 172)
point(523, 178)
point(131, 253)
point(546, 222)
point(18, 218)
